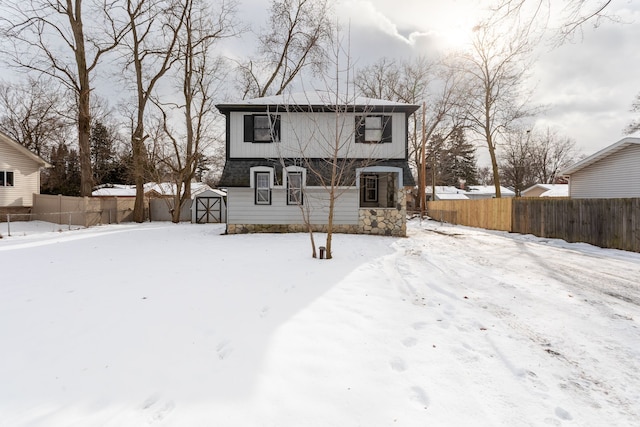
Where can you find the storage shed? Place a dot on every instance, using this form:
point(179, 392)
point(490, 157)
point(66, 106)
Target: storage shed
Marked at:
point(210, 206)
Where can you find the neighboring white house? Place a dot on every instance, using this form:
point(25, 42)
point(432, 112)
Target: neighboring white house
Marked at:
point(19, 173)
point(277, 152)
point(547, 190)
point(475, 192)
point(613, 172)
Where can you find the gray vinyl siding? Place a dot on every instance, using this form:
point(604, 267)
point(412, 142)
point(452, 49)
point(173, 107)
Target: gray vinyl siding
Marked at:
point(305, 134)
point(241, 208)
point(615, 176)
point(26, 177)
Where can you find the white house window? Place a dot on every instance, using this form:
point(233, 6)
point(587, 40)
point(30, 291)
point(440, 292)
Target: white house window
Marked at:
point(294, 188)
point(373, 129)
point(263, 188)
point(262, 128)
point(6, 179)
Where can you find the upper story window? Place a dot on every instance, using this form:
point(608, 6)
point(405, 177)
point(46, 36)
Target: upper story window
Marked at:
point(262, 128)
point(6, 179)
point(373, 129)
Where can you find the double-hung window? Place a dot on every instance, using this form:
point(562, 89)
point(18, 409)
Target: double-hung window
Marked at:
point(6, 179)
point(262, 128)
point(370, 188)
point(263, 188)
point(294, 188)
point(373, 129)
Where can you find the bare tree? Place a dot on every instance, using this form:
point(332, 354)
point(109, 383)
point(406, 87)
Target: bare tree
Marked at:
point(151, 51)
point(634, 126)
point(497, 66)
point(33, 113)
point(37, 29)
point(516, 161)
point(296, 38)
point(436, 85)
point(200, 78)
point(574, 13)
point(550, 154)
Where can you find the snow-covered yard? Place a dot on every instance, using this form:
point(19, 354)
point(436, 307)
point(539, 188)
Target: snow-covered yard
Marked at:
point(178, 325)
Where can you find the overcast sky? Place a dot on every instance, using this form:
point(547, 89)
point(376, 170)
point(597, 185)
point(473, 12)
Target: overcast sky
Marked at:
point(588, 85)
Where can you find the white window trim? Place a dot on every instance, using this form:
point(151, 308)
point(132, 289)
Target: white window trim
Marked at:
point(289, 169)
point(252, 175)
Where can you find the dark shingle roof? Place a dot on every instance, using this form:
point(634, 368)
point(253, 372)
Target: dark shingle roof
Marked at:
point(236, 171)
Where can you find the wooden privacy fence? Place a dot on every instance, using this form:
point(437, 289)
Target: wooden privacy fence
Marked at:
point(84, 211)
point(608, 223)
point(493, 214)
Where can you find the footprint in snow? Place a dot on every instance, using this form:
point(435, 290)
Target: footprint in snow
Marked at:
point(418, 395)
point(264, 311)
point(419, 325)
point(562, 414)
point(398, 365)
point(409, 342)
point(224, 349)
point(157, 411)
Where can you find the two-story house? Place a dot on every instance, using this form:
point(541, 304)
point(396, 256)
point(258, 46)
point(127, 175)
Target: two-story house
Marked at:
point(280, 158)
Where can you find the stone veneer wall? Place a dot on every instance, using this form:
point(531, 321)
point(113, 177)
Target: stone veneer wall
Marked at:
point(378, 221)
point(385, 221)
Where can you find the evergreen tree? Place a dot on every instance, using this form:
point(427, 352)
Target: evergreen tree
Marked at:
point(459, 161)
point(64, 177)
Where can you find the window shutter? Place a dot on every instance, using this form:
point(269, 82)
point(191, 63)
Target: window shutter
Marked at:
point(386, 129)
point(360, 128)
point(248, 128)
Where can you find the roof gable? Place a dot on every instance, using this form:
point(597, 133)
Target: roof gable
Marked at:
point(6, 139)
point(605, 152)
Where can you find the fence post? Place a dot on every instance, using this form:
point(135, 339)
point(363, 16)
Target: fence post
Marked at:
point(8, 224)
point(69, 221)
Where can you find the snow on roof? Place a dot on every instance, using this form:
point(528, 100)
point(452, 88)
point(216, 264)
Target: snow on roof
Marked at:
point(488, 189)
point(605, 152)
point(451, 196)
point(316, 98)
point(162, 189)
point(115, 191)
point(557, 190)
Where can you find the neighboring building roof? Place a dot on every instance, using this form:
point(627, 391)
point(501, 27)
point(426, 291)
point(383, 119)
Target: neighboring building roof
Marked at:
point(446, 192)
point(605, 152)
point(451, 196)
point(23, 150)
point(115, 190)
point(236, 172)
point(547, 190)
point(558, 190)
point(315, 101)
point(159, 189)
point(488, 190)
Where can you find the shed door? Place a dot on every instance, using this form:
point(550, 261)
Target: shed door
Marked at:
point(208, 209)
